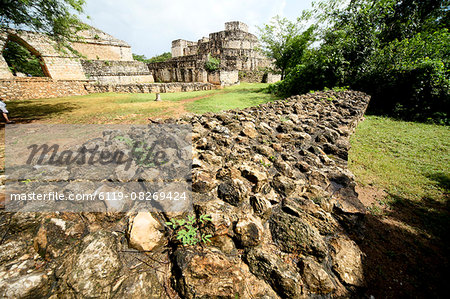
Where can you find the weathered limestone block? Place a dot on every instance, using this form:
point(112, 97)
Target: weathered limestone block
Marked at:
point(283, 277)
point(294, 234)
point(316, 278)
point(211, 274)
point(347, 261)
point(95, 267)
point(144, 232)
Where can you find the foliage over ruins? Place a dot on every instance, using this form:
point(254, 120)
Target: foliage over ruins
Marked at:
point(56, 18)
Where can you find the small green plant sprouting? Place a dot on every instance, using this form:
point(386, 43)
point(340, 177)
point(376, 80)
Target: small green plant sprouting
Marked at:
point(188, 232)
point(264, 164)
point(27, 181)
point(283, 118)
point(272, 158)
point(127, 140)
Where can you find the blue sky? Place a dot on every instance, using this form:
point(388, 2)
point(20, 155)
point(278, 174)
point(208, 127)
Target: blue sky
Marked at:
point(149, 26)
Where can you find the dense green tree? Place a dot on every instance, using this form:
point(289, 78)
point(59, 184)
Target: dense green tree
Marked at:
point(398, 51)
point(57, 18)
point(284, 41)
point(158, 58)
point(140, 58)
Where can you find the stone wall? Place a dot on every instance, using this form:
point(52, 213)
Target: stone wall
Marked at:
point(181, 69)
point(64, 68)
point(272, 78)
point(37, 88)
point(258, 77)
point(149, 87)
point(4, 69)
point(282, 207)
point(57, 65)
point(191, 69)
point(96, 44)
point(103, 52)
point(117, 72)
point(252, 76)
point(224, 78)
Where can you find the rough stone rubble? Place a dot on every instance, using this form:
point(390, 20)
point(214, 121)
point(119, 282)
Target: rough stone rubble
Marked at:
point(273, 178)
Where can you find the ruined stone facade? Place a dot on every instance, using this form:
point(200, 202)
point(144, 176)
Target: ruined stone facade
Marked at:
point(98, 45)
point(56, 65)
point(106, 60)
point(43, 88)
point(234, 46)
point(117, 72)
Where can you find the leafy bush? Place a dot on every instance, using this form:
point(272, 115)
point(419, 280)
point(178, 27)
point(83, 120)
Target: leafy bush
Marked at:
point(212, 64)
point(395, 51)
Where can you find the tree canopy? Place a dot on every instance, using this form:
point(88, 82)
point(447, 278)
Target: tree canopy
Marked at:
point(158, 58)
point(284, 41)
point(57, 18)
point(397, 51)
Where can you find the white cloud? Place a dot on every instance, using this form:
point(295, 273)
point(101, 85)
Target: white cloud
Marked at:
point(150, 26)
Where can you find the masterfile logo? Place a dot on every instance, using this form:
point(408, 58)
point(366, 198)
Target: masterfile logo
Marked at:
point(98, 168)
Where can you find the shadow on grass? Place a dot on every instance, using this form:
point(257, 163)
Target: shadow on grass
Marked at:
point(427, 215)
point(406, 253)
point(28, 111)
point(442, 180)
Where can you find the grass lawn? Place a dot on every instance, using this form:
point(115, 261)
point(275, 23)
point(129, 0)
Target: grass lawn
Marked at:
point(408, 160)
point(403, 172)
point(135, 108)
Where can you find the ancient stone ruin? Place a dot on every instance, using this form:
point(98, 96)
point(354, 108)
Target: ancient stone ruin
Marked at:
point(107, 64)
point(235, 47)
point(274, 181)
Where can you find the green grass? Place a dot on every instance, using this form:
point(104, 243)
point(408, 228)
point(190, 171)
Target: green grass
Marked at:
point(406, 159)
point(172, 97)
point(240, 96)
point(135, 108)
point(410, 161)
